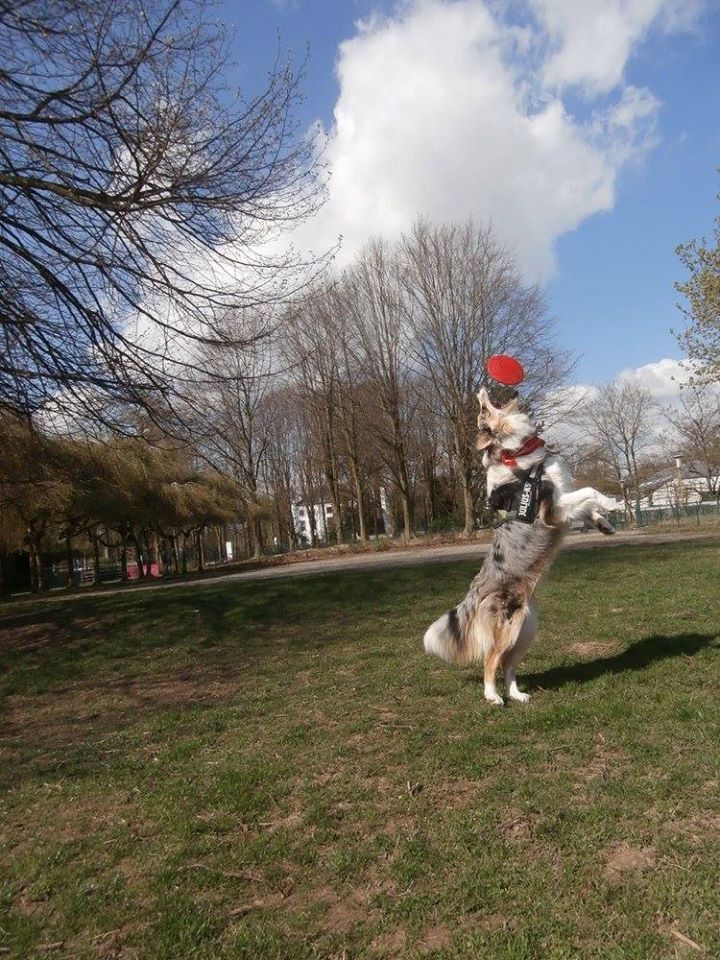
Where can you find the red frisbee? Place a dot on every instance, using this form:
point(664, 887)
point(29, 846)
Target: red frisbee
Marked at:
point(506, 370)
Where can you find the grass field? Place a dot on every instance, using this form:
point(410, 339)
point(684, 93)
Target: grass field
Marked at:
point(274, 770)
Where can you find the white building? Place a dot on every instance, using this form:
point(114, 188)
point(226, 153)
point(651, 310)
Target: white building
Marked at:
point(681, 486)
point(323, 514)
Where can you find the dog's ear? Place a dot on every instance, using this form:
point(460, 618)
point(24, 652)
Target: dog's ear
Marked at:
point(512, 406)
point(486, 404)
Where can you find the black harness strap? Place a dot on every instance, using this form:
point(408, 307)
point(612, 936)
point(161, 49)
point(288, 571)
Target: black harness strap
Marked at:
point(530, 495)
point(520, 499)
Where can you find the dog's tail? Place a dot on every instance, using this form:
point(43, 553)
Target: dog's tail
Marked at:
point(449, 637)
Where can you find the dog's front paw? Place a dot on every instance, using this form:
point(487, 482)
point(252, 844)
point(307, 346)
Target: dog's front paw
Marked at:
point(494, 698)
point(520, 696)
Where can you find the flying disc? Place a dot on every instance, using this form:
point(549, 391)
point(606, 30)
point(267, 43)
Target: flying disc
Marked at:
point(506, 370)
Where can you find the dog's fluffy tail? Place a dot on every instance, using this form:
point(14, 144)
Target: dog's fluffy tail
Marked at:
point(456, 637)
point(441, 637)
point(437, 636)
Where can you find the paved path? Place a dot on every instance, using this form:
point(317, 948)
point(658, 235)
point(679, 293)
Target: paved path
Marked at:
point(390, 558)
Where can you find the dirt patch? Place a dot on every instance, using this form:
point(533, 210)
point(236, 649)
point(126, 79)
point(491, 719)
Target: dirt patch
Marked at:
point(603, 759)
point(402, 827)
point(343, 917)
point(626, 860)
point(519, 827)
point(111, 945)
point(593, 648)
point(28, 906)
point(361, 742)
point(697, 828)
point(684, 945)
point(390, 944)
point(435, 938)
point(348, 911)
point(459, 793)
point(493, 922)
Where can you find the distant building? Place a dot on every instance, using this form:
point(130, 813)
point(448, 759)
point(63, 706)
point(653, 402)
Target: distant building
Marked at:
point(683, 485)
point(301, 514)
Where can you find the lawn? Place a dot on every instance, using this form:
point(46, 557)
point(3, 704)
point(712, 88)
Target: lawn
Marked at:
point(275, 770)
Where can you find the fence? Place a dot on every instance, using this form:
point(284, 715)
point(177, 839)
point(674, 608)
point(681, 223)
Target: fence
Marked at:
point(681, 515)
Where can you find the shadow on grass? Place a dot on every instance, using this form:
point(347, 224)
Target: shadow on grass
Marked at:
point(637, 656)
point(312, 611)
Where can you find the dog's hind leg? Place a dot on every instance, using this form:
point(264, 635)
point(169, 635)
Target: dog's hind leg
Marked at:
point(589, 504)
point(603, 525)
point(492, 662)
point(512, 657)
point(503, 635)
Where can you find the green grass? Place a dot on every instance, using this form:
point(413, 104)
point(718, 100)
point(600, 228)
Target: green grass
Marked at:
point(275, 770)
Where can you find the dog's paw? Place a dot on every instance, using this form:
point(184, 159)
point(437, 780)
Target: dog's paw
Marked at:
point(520, 696)
point(495, 699)
point(603, 525)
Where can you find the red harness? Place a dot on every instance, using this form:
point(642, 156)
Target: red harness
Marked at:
point(509, 457)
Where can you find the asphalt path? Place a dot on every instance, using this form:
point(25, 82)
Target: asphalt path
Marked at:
point(388, 559)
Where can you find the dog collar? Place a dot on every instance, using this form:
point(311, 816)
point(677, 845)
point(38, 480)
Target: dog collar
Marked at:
point(510, 457)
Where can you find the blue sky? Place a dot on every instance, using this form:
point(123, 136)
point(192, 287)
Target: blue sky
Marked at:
point(609, 160)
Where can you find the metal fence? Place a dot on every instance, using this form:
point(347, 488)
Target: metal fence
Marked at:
point(684, 515)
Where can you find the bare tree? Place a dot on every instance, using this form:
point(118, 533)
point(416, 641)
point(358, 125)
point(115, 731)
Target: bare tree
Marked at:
point(134, 190)
point(466, 301)
point(696, 429)
point(283, 456)
point(313, 345)
point(621, 422)
point(382, 347)
point(232, 431)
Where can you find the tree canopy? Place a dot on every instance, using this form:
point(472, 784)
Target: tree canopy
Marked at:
point(701, 339)
point(135, 190)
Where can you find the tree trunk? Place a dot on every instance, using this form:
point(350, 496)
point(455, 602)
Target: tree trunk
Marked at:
point(34, 578)
point(406, 499)
point(430, 493)
point(183, 555)
point(150, 552)
point(468, 504)
point(256, 542)
point(96, 557)
point(69, 560)
point(123, 561)
point(200, 551)
point(362, 522)
point(407, 515)
point(357, 484)
point(37, 574)
point(331, 477)
point(135, 540)
point(403, 479)
point(220, 544)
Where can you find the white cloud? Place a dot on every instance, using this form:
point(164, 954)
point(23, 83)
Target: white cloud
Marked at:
point(592, 40)
point(447, 110)
point(663, 378)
